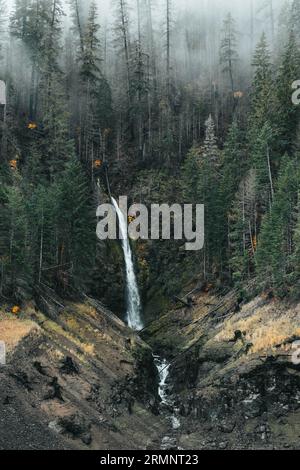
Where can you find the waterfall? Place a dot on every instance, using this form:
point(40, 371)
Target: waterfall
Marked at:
point(163, 368)
point(134, 307)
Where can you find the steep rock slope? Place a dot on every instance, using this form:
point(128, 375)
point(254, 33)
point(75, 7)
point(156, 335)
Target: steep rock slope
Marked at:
point(82, 380)
point(234, 371)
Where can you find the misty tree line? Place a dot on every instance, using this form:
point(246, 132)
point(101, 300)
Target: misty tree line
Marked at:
point(177, 111)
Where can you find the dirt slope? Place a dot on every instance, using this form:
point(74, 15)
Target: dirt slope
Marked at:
point(83, 381)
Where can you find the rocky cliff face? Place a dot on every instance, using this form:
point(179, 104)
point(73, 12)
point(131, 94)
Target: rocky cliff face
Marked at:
point(82, 381)
point(233, 376)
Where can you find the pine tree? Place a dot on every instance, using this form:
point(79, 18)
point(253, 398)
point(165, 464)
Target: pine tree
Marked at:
point(77, 18)
point(95, 93)
point(211, 152)
point(261, 94)
point(208, 189)
point(75, 227)
point(267, 7)
point(168, 44)
point(228, 49)
point(140, 86)
point(123, 41)
point(191, 176)
point(275, 243)
point(55, 145)
point(262, 163)
point(242, 230)
point(51, 48)
point(295, 257)
point(34, 167)
point(5, 181)
point(20, 21)
point(295, 20)
point(233, 170)
point(200, 185)
point(29, 24)
point(284, 26)
point(261, 128)
point(234, 164)
point(19, 280)
point(90, 59)
point(2, 24)
point(40, 213)
point(287, 114)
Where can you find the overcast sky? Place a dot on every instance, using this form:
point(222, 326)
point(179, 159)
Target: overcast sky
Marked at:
point(239, 8)
point(233, 5)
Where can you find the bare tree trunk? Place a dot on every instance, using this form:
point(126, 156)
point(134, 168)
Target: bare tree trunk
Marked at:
point(230, 66)
point(78, 23)
point(140, 65)
point(32, 95)
point(126, 46)
point(168, 31)
point(272, 20)
point(270, 173)
point(152, 73)
point(231, 76)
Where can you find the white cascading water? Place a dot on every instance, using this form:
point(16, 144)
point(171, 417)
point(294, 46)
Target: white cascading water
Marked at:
point(163, 368)
point(134, 320)
point(134, 306)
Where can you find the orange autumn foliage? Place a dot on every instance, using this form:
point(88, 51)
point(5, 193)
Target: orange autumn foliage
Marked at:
point(15, 310)
point(13, 164)
point(97, 163)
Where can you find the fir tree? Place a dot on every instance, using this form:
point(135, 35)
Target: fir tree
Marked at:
point(261, 128)
point(228, 49)
point(294, 23)
point(275, 242)
point(261, 94)
point(209, 195)
point(211, 152)
point(234, 164)
point(261, 158)
point(29, 24)
point(233, 170)
point(191, 176)
point(95, 99)
point(2, 24)
point(19, 274)
point(90, 59)
point(287, 114)
point(75, 227)
point(242, 230)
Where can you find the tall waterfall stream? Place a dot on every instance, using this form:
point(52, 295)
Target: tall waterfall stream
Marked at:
point(134, 321)
point(134, 306)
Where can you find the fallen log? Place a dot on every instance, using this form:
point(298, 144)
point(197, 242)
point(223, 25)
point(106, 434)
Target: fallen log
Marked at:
point(188, 303)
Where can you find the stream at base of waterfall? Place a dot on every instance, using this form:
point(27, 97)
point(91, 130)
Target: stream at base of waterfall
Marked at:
point(167, 403)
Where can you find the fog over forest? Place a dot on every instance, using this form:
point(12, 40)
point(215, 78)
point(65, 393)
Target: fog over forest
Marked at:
point(133, 82)
point(150, 341)
point(187, 35)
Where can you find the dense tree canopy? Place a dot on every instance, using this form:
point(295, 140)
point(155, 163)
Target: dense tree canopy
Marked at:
point(176, 114)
